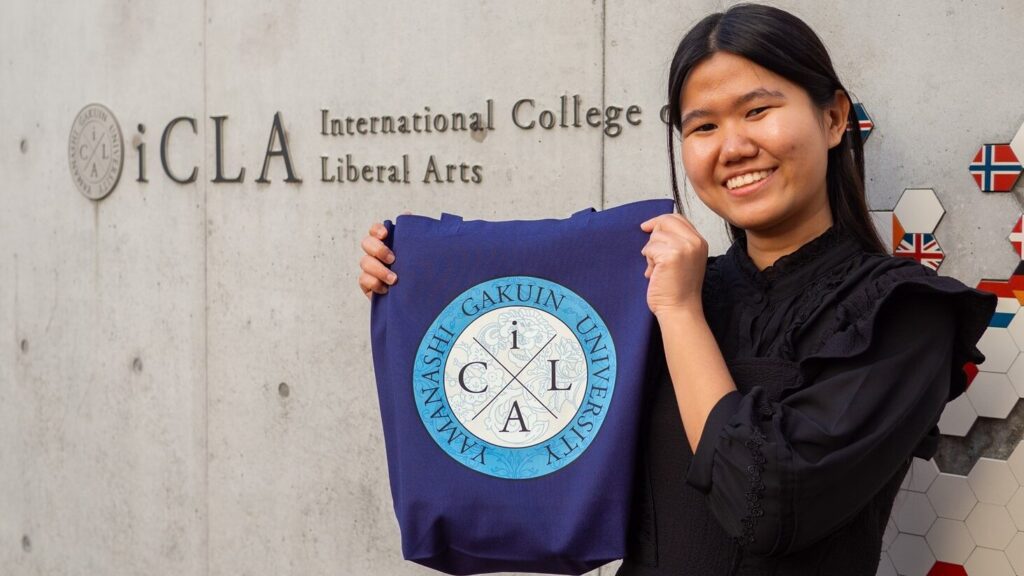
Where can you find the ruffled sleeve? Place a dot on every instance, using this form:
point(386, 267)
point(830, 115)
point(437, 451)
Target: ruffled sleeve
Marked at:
point(781, 474)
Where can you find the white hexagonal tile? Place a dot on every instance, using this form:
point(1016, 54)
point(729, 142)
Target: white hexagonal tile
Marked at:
point(1016, 327)
point(1017, 143)
point(919, 210)
point(885, 567)
point(1016, 462)
point(920, 475)
point(890, 534)
point(999, 349)
point(992, 481)
point(957, 417)
point(1009, 306)
point(990, 526)
point(1016, 508)
point(910, 554)
point(1016, 375)
point(1015, 553)
point(985, 562)
point(950, 541)
point(882, 219)
point(951, 496)
point(914, 514)
point(992, 395)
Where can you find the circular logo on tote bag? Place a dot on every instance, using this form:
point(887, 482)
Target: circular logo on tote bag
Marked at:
point(514, 377)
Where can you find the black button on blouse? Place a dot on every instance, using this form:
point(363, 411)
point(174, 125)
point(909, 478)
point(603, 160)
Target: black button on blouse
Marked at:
point(843, 361)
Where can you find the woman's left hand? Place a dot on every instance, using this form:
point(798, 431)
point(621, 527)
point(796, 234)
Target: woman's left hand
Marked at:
point(676, 257)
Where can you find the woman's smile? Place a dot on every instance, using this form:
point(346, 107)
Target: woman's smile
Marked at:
point(749, 182)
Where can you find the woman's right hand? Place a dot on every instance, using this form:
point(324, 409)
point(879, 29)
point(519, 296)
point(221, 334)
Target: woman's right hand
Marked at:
point(376, 276)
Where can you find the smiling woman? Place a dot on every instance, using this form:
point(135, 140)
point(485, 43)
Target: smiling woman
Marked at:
point(805, 367)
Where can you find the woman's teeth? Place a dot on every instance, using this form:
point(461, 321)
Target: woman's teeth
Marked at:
point(745, 179)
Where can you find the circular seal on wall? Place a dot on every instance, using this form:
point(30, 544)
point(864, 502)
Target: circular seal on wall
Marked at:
point(95, 151)
point(515, 376)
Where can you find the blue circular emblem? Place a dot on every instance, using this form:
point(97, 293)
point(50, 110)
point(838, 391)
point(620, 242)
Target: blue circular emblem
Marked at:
point(515, 376)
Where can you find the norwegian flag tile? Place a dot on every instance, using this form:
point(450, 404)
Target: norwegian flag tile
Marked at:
point(921, 247)
point(995, 168)
point(1016, 237)
point(863, 120)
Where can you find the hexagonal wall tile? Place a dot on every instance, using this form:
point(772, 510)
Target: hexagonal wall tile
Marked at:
point(1016, 508)
point(951, 496)
point(970, 370)
point(885, 567)
point(1016, 237)
point(950, 541)
point(947, 569)
point(1015, 326)
point(995, 168)
point(918, 211)
point(913, 513)
point(882, 219)
point(1015, 553)
point(957, 417)
point(910, 554)
point(999, 349)
point(1007, 308)
point(992, 481)
point(890, 534)
point(985, 562)
point(992, 395)
point(920, 475)
point(864, 121)
point(1016, 463)
point(990, 526)
point(922, 247)
point(1016, 375)
point(1004, 290)
point(1017, 144)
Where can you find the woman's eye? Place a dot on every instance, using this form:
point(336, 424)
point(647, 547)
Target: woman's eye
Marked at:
point(756, 111)
point(704, 128)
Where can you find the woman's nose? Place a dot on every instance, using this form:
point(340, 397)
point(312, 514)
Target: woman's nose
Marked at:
point(737, 146)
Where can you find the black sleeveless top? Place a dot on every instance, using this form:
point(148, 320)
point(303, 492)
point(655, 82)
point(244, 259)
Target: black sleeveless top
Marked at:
point(843, 361)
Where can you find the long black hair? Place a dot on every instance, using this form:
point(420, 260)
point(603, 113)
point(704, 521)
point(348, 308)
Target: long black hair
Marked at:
point(779, 41)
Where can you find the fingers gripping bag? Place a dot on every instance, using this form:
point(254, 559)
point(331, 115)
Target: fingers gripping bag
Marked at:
point(510, 359)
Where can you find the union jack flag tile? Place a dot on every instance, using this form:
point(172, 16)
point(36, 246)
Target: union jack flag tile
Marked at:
point(1016, 237)
point(864, 121)
point(995, 168)
point(921, 247)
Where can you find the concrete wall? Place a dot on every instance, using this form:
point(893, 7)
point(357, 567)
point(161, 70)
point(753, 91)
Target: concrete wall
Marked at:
point(185, 375)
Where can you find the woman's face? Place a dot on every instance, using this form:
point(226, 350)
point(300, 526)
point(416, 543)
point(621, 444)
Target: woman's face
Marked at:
point(754, 145)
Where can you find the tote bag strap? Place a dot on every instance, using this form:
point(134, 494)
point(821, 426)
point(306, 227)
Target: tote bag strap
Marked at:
point(581, 218)
point(450, 223)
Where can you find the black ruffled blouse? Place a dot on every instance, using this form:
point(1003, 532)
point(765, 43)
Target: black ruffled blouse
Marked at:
point(843, 361)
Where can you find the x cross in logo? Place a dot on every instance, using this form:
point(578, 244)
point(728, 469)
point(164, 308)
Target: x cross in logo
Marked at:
point(515, 378)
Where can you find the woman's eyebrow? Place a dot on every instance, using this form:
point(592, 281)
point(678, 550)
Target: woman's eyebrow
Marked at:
point(752, 95)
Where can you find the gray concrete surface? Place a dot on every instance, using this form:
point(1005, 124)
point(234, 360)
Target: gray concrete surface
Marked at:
point(144, 428)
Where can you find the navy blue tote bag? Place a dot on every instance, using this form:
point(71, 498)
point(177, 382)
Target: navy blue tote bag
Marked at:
point(510, 359)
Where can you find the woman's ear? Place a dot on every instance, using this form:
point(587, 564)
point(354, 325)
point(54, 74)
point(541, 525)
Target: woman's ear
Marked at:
point(837, 114)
